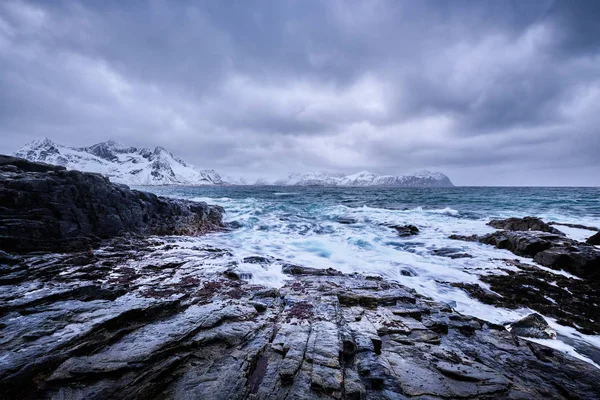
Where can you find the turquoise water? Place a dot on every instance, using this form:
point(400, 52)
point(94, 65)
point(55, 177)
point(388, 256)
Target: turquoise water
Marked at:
point(561, 204)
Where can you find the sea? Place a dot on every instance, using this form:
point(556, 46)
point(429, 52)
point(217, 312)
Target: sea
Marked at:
point(348, 229)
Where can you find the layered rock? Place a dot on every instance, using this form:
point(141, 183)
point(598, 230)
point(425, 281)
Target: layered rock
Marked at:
point(516, 285)
point(126, 321)
point(47, 208)
point(552, 250)
point(523, 224)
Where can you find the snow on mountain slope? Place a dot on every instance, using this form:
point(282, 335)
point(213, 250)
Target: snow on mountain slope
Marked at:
point(311, 179)
point(421, 179)
point(122, 164)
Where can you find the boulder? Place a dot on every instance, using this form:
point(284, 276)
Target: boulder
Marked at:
point(580, 259)
point(405, 230)
point(594, 240)
point(533, 326)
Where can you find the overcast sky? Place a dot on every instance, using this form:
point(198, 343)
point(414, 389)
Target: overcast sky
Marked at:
point(488, 92)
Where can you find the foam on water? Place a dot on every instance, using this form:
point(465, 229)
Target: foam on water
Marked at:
point(303, 227)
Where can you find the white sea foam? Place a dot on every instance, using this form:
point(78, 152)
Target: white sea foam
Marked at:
point(563, 347)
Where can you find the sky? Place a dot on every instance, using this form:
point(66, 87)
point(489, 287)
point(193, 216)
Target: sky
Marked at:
point(488, 92)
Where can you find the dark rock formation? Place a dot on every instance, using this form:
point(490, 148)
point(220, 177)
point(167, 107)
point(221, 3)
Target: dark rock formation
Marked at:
point(577, 258)
point(347, 220)
point(594, 240)
point(534, 326)
point(548, 249)
point(525, 244)
point(47, 208)
point(405, 230)
point(523, 224)
point(126, 322)
point(451, 252)
point(572, 302)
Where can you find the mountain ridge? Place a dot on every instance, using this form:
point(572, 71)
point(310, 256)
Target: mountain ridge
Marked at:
point(121, 163)
point(158, 166)
point(366, 178)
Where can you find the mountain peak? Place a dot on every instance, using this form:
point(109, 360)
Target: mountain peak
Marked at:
point(41, 142)
point(121, 163)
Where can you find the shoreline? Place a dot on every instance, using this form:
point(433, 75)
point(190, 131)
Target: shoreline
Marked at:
point(145, 316)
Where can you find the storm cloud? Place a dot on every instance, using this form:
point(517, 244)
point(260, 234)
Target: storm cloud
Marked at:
point(491, 93)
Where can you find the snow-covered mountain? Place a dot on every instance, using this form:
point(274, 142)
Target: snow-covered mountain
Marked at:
point(422, 179)
point(311, 179)
point(122, 164)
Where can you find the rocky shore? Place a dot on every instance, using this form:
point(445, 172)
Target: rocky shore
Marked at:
point(99, 301)
point(530, 237)
point(149, 319)
point(47, 208)
point(572, 300)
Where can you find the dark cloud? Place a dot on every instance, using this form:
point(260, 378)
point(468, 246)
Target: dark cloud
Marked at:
point(481, 90)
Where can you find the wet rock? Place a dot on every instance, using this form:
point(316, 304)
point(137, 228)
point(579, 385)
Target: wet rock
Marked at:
point(594, 240)
point(292, 269)
point(523, 224)
point(582, 260)
point(576, 226)
point(526, 244)
point(548, 249)
point(405, 230)
point(47, 208)
point(347, 220)
point(234, 225)
point(407, 271)
point(570, 301)
point(234, 273)
point(464, 238)
point(533, 326)
point(452, 253)
point(257, 260)
point(480, 293)
point(181, 331)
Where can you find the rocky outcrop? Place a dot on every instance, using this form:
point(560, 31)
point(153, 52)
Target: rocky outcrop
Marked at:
point(548, 249)
point(405, 230)
point(523, 224)
point(47, 208)
point(126, 321)
point(517, 285)
point(594, 239)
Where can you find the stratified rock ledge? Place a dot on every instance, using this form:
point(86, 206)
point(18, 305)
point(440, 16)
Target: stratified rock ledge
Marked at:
point(127, 322)
point(545, 246)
